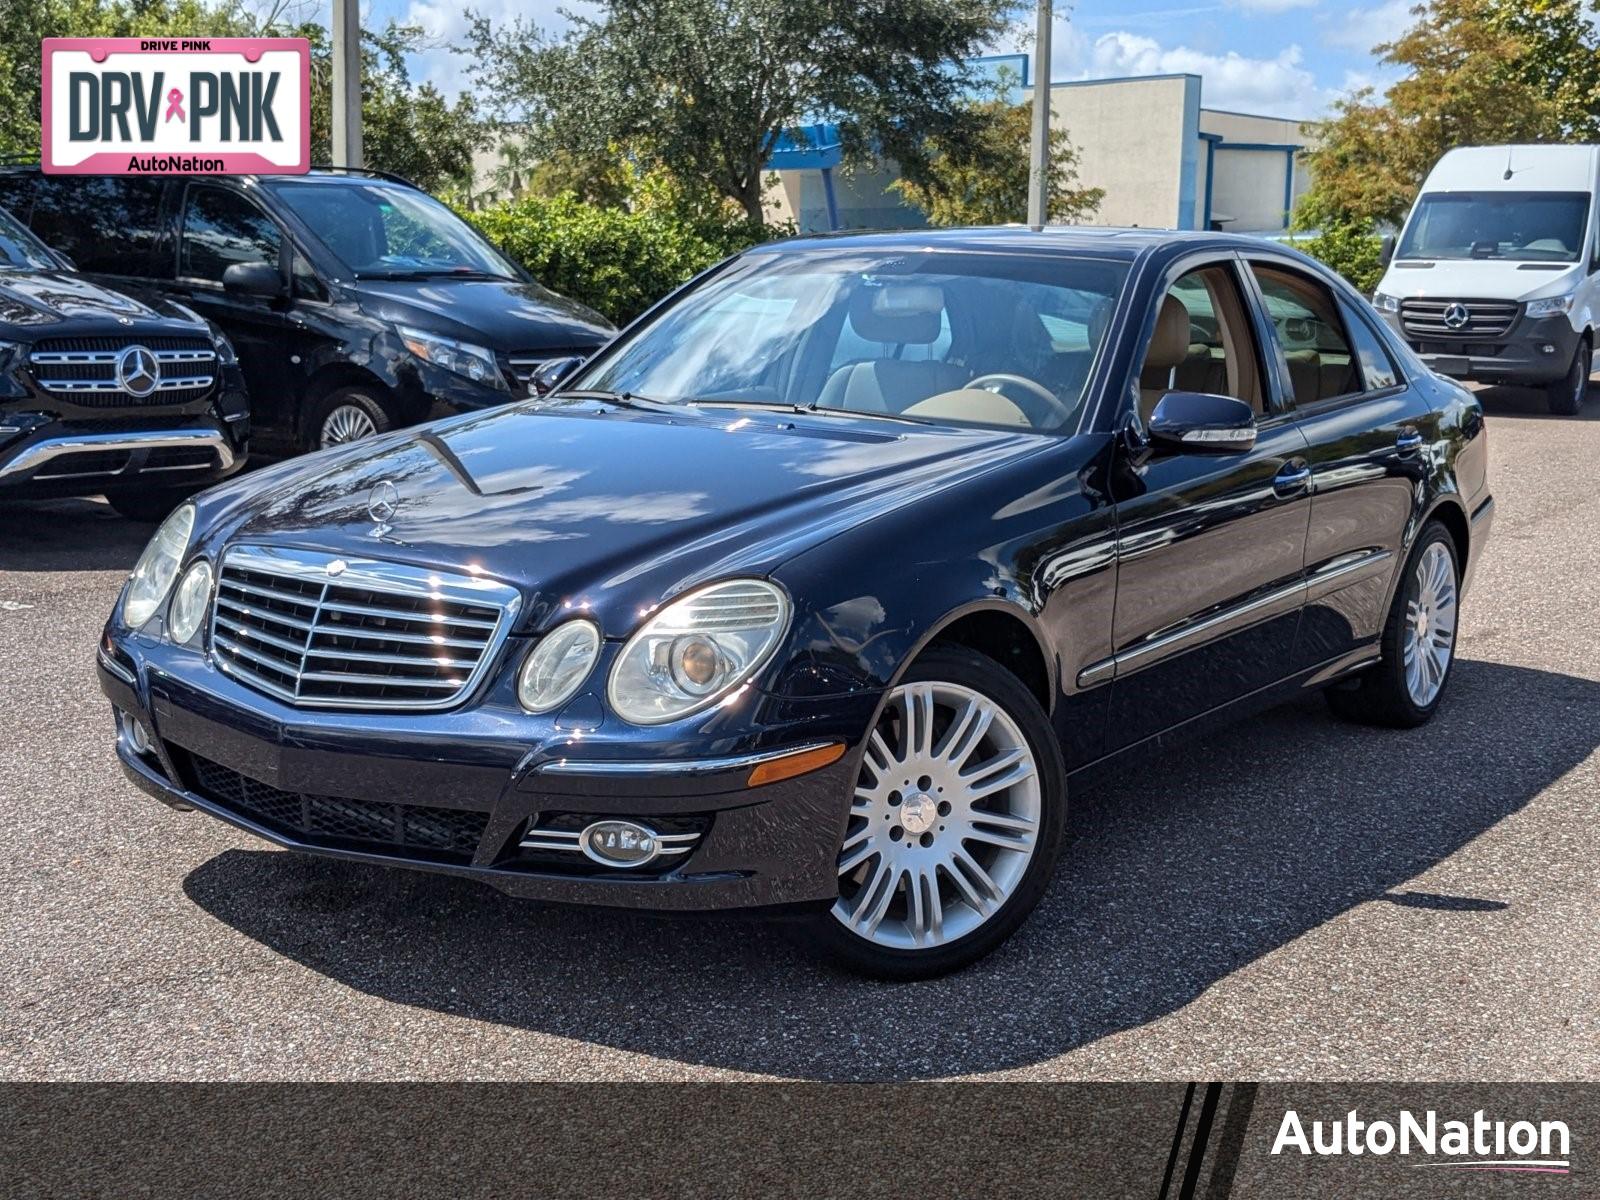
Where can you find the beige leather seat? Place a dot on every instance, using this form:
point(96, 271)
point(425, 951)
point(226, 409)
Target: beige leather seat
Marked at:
point(1169, 349)
point(889, 385)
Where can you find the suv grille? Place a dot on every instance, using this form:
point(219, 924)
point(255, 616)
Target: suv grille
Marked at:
point(84, 369)
point(325, 819)
point(1485, 318)
point(321, 632)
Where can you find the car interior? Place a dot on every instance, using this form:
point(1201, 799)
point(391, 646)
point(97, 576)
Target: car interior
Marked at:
point(1202, 343)
point(1321, 365)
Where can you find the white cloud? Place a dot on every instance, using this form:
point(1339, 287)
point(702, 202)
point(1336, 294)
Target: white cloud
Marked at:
point(1277, 86)
point(1361, 29)
point(1271, 6)
point(445, 24)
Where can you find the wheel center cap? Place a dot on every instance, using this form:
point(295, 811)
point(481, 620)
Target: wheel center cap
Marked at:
point(1422, 623)
point(918, 813)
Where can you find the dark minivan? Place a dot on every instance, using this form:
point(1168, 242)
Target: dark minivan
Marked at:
point(357, 302)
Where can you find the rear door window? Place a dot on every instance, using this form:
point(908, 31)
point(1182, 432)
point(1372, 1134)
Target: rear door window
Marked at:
point(108, 224)
point(1311, 332)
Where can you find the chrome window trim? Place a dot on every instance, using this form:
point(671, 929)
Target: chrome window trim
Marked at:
point(683, 766)
point(397, 579)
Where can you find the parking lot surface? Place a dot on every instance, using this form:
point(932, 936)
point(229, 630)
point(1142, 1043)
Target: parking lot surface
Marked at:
point(1290, 899)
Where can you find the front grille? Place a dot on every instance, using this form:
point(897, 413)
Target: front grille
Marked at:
point(329, 820)
point(84, 369)
point(317, 631)
point(1485, 318)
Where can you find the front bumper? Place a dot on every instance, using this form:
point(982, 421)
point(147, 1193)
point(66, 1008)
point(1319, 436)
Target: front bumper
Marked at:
point(1536, 350)
point(459, 792)
point(57, 458)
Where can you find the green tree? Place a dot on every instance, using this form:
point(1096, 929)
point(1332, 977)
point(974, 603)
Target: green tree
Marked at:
point(705, 86)
point(984, 180)
point(1477, 72)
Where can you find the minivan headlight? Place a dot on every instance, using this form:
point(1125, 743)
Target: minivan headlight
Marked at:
point(697, 650)
point(556, 668)
point(157, 567)
point(474, 362)
point(1549, 306)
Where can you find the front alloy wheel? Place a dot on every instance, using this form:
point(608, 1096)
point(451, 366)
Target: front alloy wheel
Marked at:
point(346, 423)
point(954, 824)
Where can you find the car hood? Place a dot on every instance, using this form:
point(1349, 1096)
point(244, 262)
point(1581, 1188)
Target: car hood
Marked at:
point(612, 511)
point(37, 300)
point(504, 314)
point(1480, 279)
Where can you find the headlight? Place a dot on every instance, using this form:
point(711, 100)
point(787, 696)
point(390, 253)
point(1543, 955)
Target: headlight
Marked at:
point(696, 650)
point(1549, 306)
point(157, 567)
point(1385, 303)
point(475, 362)
point(189, 603)
point(226, 354)
point(557, 666)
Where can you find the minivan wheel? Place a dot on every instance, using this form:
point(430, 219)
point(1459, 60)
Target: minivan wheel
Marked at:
point(346, 415)
point(956, 822)
point(1419, 641)
point(1565, 397)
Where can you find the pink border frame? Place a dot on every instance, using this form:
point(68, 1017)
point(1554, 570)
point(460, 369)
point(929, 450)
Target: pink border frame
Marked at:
point(238, 163)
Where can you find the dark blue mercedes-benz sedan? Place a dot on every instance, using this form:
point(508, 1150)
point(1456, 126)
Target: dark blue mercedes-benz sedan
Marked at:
point(818, 586)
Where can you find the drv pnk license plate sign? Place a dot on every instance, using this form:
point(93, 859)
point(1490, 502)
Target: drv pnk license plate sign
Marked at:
point(166, 106)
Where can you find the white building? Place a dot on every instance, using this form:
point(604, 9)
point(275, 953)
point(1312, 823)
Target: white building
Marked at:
point(1164, 159)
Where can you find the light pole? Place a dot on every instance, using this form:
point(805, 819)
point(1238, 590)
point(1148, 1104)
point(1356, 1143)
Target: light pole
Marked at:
point(347, 83)
point(1039, 150)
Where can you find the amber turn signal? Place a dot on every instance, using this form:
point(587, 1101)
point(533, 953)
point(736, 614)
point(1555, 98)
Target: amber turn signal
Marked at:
point(798, 763)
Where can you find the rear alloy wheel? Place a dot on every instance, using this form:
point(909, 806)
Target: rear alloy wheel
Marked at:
point(1565, 397)
point(1419, 642)
point(346, 415)
point(955, 823)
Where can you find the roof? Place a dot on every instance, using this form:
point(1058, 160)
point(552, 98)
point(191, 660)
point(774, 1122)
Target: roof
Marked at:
point(1065, 239)
point(1515, 169)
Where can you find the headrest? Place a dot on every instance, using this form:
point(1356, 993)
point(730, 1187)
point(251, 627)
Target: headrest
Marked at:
point(898, 313)
point(1170, 345)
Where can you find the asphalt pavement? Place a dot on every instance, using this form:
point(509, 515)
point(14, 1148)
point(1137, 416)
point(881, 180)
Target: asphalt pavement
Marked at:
point(1292, 899)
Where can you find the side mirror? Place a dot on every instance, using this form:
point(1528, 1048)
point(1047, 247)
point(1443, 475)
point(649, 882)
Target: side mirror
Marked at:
point(553, 374)
point(254, 279)
point(1197, 422)
point(1386, 250)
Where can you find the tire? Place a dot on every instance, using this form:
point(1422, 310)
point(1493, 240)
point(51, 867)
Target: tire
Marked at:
point(149, 504)
point(1565, 397)
point(898, 866)
point(1388, 694)
point(344, 415)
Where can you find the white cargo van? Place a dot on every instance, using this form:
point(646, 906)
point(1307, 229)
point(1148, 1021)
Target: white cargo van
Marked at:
point(1494, 277)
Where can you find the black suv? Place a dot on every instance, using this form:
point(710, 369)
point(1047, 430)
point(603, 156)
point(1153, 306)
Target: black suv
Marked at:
point(109, 392)
point(357, 302)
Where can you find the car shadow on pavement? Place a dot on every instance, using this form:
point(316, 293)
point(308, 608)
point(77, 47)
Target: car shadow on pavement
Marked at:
point(68, 535)
point(1530, 403)
point(1181, 871)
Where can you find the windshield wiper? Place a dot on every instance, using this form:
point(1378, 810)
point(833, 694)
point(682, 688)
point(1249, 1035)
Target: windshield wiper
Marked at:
point(809, 410)
point(422, 273)
point(621, 399)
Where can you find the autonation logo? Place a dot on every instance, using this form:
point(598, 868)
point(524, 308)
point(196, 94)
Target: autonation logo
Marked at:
point(1480, 1144)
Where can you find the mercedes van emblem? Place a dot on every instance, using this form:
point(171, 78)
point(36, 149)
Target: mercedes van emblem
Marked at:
point(1457, 316)
point(138, 373)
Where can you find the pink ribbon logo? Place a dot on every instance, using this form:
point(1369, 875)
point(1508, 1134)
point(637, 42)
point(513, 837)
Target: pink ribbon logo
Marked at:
point(175, 105)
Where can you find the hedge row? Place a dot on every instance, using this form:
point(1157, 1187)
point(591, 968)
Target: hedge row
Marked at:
point(616, 261)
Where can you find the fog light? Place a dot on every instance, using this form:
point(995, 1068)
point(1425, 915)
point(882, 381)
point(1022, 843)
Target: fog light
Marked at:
point(134, 735)
point(1547, 348)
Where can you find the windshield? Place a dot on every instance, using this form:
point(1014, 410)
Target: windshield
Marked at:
point(19, 248)
point(380, 231)
point(951, 337)
point(1523, 226)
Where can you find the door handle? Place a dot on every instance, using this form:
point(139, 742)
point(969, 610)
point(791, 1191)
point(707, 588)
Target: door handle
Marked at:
point(1408, 443)
point(1294, 477)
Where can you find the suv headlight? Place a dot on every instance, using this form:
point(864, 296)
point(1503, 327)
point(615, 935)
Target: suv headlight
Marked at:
point(157, 567)
point(226, 354)
point(697, 650)
point(1549, 306)
point(475, 362)
point(1385, 303)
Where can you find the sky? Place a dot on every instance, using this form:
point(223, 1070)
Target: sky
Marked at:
point(1289, 58)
